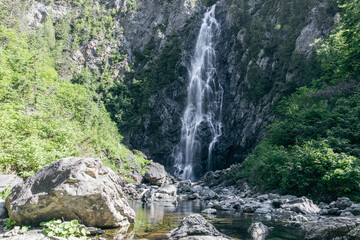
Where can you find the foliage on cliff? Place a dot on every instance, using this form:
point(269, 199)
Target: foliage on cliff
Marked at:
point(43, 116)
point(314, 147)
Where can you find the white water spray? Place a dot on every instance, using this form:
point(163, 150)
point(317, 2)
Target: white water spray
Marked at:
point(204, 104)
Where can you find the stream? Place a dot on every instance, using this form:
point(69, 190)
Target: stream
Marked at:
point(155, 220)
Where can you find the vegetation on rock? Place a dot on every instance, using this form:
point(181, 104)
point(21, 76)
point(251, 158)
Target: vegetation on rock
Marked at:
point(58, 228)
point(313, 148)
point(44, 116)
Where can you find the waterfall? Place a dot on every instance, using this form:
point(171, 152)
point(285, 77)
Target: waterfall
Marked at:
point(201, 121)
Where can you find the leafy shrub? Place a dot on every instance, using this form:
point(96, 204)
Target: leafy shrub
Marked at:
point(4, 194)
point(57, 228)
point(311, 169)
point(9, 224)
point(44, 117)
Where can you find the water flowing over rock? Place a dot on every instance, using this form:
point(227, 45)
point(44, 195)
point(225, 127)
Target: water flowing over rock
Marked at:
point(71, 188)
point(201, 122)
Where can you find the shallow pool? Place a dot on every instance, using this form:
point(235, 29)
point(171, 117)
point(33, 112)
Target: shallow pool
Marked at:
point(155, 220)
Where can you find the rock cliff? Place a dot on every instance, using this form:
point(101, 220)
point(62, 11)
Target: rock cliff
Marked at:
point(264, 53)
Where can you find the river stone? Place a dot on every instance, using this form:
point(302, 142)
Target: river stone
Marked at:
point(71, 188)
point(343, 203)
point(32, 234)
point(209, 211)
point(258, 230)
point(302, 205)
point(155, 174)
point(354, 209)
point(195, 224)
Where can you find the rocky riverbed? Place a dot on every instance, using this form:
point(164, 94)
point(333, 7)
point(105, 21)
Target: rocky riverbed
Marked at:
point(83, 189)
point(336, 220)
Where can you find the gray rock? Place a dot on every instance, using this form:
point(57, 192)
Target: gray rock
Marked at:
point(207, 194)
point(277, 203)
point(322, 205)
point(324, 212)
point(288, 197)
point(264, 209)
point(71, 188)
point(343, 203)
point(209, 211)
point(166, 193)
point(33, 234)
point(346, 214)
point(273, 196)
point(354, 209)
point(331, 228)
point(194, 196)
point(203, 238)
point(258, 230)
point(299, 218)
point(135, 175)
point(155, 174)
point(302, 205)
point(263, 197)
point(195, 224)
point(248, 209)
point(168, 189)
point(333, 211)
point(9, 181)
point(184, 187)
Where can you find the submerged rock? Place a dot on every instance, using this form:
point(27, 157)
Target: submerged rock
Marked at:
point(195, 227)
point(258, 230)
point(209, 211)
point(71, 188)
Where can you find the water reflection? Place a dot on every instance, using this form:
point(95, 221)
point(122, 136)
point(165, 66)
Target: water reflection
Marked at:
point(155, 220)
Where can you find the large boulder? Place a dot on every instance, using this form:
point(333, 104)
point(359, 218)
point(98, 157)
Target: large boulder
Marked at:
point(156, 174)
point(71, 188)
point(196, 227)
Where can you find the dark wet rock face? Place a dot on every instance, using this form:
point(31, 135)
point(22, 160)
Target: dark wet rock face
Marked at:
point(239, 65)
point(71, 188)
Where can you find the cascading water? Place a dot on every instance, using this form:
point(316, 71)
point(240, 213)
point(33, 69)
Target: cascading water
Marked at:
point(201, 122)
